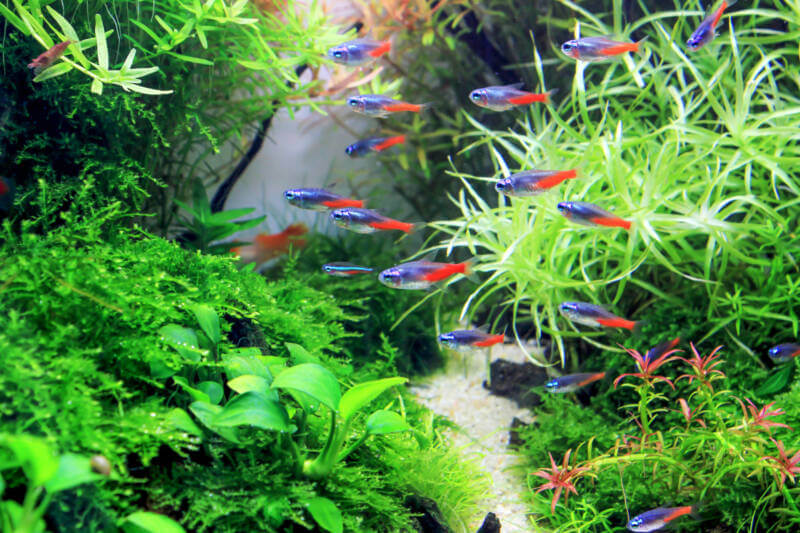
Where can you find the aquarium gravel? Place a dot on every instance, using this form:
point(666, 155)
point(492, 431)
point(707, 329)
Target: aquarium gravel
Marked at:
point(483, 421)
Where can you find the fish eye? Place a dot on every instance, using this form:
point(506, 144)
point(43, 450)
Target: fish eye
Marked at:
point(552, 383)
point(566, 47)
point(326, 268)
point(349, 150)
point(773, 351)
point(501, 185)
point(338, 54)
point(562, 206)
point(289, 195)
point(337, 215)
point(352, 102)
point(475, 96)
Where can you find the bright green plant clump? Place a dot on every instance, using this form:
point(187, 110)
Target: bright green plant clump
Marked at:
point(177, 366)
point(685, 441)
point(695, 151)
point(81, 134)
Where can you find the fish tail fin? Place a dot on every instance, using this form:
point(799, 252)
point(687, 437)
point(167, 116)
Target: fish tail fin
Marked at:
point(382, 49)
point(549, 95)
point(390, 141)
point(468, 271)
point(637, 46)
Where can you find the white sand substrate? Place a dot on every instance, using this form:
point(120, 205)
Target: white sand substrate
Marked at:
point(458, 394)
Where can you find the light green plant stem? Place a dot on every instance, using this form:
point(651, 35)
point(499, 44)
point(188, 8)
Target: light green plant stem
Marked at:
point(356, 444)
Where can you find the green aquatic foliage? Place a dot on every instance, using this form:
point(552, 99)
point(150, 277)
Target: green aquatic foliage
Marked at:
point(684, 441)
point(205, 227)
point(695, 151)
point(68, 149)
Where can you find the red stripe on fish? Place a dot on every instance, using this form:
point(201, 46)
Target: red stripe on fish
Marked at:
point(491, 341)
point(616, 322)
point(718, 15)
point(555, 179)
point(680, 511)
point(382, 49)
point(392, 224)
point(529, 98)
point(403, 106)
point(611, 222)
point(344, 202)
point(446, 271)
point(391, 141)
point(590, 379)
point(620, 49)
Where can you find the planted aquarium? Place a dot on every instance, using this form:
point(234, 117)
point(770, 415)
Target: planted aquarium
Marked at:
point(462, 266)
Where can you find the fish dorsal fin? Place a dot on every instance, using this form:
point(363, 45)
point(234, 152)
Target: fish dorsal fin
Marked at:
point(518, 85)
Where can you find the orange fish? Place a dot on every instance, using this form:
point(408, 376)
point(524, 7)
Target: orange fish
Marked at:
point(45, 59)
point(270, 246)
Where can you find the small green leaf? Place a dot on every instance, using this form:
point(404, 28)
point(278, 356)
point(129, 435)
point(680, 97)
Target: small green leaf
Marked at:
point(230, 214)
point(184, 340)
point(208, 320)
point(33, 455)
point(384, 422)
point(325, 514)
point(205, 413)
point(778, 380)
point(253, 409)
point(196, 394)
point(244, 363)
point(212, 389)
point(248, 383)
point(97, 86)
point(313, 380)
point(146, 522)
point(73, 470)
point(52, 72)
point(360, 395)
point(299, 355)
point(180, 419)
point(102, 45)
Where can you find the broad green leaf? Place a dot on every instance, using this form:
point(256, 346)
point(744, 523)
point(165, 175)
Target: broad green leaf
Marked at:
point(196, 394)
point(359, 396)
point(325, 514)
point(102, 45)
point(54, 71)
point(248, 383)
point(184, 340)
point(73, 470)
point(253, 409)
point(313, 380)
point(160, 370)
point(205, 413)
point(180, 419)
point(248, 362)
point(13, 19)
point(147, 522)
point(16, 514)
point(212, 389)
point(34, 455)
point(383, 422)
point(66, 27)
point(299, 355)
point(208, 320)
point(778, 380)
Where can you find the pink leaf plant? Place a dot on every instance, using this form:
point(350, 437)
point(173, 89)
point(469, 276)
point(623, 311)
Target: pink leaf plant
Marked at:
point(648, 366)
point(560, 478)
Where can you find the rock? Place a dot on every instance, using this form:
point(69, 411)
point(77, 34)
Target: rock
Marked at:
point(430, 518)
point(516, 381)
point(491, 524)
point(514, 440)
